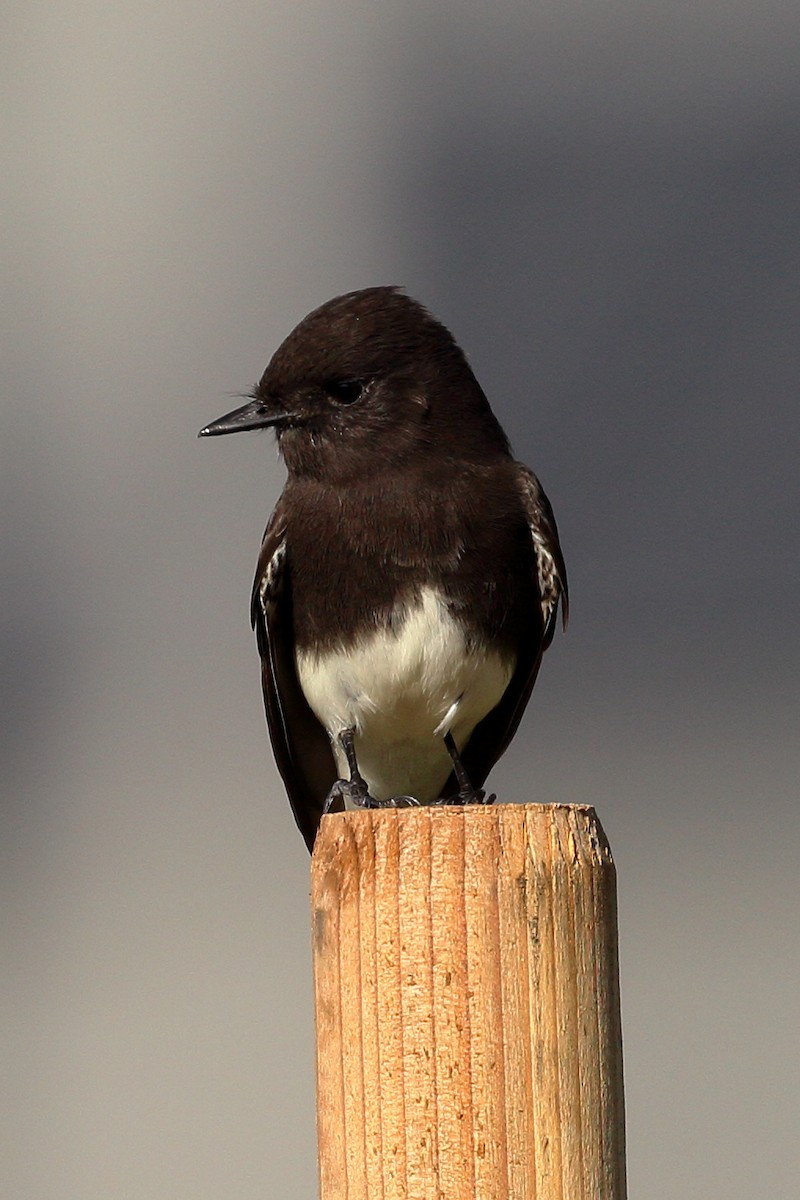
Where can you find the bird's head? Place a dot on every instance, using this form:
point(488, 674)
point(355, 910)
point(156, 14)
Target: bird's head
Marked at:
point(368, 377)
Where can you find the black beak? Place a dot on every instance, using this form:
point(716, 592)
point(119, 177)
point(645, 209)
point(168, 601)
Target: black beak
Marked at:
point(254, 415)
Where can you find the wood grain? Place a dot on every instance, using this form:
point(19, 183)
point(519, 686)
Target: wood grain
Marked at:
point(468, 1030)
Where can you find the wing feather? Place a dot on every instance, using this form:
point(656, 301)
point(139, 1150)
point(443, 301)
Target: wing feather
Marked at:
point(300, 744)
point(553, 587)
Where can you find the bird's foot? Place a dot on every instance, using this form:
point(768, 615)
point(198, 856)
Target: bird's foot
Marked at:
point(393, 802)
point(345, 791)
point(357, 795)
point(355, 790)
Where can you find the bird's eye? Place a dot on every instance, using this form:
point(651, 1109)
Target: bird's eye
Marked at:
point(345, 391)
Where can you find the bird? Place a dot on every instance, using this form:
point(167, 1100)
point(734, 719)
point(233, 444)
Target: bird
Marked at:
point(410, 577)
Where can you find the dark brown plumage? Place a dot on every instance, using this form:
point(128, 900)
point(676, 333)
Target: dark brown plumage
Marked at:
point(401, 486)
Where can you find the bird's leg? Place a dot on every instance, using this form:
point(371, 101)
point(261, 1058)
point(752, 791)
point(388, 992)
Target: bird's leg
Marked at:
point(359, 792)
point(355, 788)
point(466, 793)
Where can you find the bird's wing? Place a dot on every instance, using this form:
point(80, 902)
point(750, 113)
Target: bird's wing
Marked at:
point(300, 744)
point(553, 589)
point(492, 735)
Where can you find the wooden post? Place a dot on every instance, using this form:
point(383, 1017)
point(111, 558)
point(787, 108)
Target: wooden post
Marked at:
point(468, 1030)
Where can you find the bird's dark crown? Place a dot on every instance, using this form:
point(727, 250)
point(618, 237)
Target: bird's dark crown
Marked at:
point(373, 332)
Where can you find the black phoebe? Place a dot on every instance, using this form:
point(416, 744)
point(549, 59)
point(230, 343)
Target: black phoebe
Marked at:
point(410, 576)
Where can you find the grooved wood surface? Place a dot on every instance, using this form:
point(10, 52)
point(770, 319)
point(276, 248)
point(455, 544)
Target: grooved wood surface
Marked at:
point(468, 1033)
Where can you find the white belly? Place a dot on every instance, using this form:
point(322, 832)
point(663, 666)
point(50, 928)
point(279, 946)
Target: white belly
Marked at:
point(401, 690)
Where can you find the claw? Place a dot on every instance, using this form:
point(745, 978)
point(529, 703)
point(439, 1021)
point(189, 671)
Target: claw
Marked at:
point(334, 801)
point(396, 802)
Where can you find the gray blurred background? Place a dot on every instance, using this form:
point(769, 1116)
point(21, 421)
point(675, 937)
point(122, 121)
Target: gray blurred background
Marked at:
point(603, 202)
